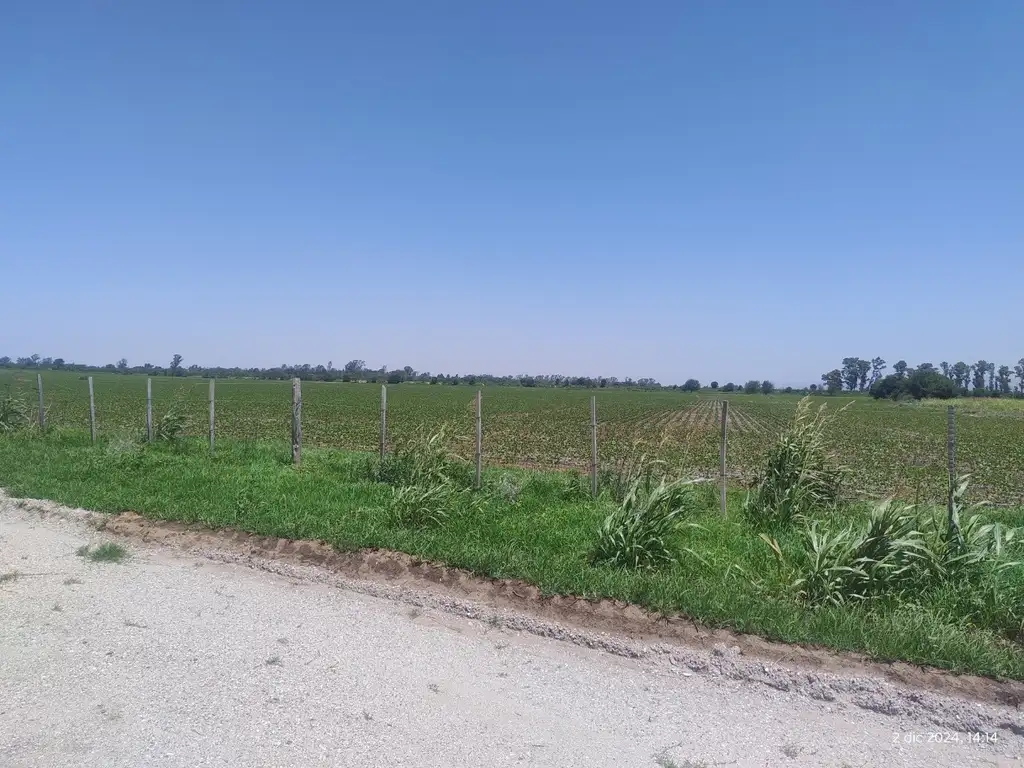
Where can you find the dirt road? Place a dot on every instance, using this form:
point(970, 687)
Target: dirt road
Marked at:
point(174, 659)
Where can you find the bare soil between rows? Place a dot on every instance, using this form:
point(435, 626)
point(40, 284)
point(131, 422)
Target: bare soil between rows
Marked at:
point(601, 615)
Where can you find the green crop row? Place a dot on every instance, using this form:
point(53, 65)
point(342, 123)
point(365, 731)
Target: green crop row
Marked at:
point(891, 449)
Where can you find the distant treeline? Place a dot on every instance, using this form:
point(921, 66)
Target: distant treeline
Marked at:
point(960, 379)
point(357, 370)
point(982, 379)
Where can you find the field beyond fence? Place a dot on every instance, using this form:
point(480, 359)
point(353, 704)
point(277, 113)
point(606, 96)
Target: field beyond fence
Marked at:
point(889, 448)
point(938, 584)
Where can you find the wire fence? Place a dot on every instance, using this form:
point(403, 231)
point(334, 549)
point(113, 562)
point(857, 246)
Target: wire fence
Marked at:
point(889, 450)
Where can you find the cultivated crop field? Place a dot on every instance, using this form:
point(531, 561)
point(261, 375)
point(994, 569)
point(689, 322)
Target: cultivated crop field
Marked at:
point(891, 449)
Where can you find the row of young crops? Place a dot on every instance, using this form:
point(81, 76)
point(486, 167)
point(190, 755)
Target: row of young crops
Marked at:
point(890, 448)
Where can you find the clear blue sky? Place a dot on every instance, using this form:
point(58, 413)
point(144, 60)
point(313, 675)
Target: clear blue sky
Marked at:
point(723, 190)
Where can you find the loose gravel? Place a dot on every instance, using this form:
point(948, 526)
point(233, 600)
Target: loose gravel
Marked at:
point(179, 658)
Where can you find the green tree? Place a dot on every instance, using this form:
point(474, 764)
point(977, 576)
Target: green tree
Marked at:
point(691, 385)
point(919, 384)
point(1019, 370)
point(877, 367)
point(714, 385)
point(176, 365)
point(833, 381)
point(980, 369)
point(851, 372)
point(752, 387)
point(900, 366)
point(863, 370)
point(122, 364)
point(1003, 379)
point(767, 387)
point(930, 383)
point(961, 374)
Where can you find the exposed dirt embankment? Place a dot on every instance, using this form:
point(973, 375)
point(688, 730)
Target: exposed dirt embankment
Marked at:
point(892, 688)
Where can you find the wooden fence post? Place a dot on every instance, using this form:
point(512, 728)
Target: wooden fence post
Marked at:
point(296, 421)
point(92, 412)
point(721, 455)
point(593, 445)
point(149, 410)
point(42, 410)
point(383, 420)
point(212, 383)
point(479, 436)
point(952, 523)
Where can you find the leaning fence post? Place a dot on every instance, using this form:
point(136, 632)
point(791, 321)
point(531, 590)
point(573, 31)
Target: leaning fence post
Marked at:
point(149, 410)
point(383, 419)
point(479, 436)
point(593, 445)
point(42, 410)
point(952, 523)
point(212, 382)
point(92, 412)
point(721, 455)
point(296, 421)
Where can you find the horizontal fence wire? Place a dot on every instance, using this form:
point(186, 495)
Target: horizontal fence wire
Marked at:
point(888, 449)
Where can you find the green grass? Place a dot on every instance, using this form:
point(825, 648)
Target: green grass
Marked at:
point(981, 405)
point(108, 552)
point(526, 526)
point(890, 448)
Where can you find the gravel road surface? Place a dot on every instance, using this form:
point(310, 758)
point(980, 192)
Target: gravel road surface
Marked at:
point(171, 659)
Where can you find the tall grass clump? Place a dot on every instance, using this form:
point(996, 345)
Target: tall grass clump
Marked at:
point(424, 458)
point(800, 475)
point(633, 467)
point(640, 531)
point(978, 564)
point(429, 482)
point(961, 542)
point(15, 413)
point(883, 557)
point(967, 570)
point(171, 426)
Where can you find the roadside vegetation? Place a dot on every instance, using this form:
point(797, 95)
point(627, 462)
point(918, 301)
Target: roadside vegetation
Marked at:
point(15, 414)
point(107, 552)
point(888, 448)
point(792, 561)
